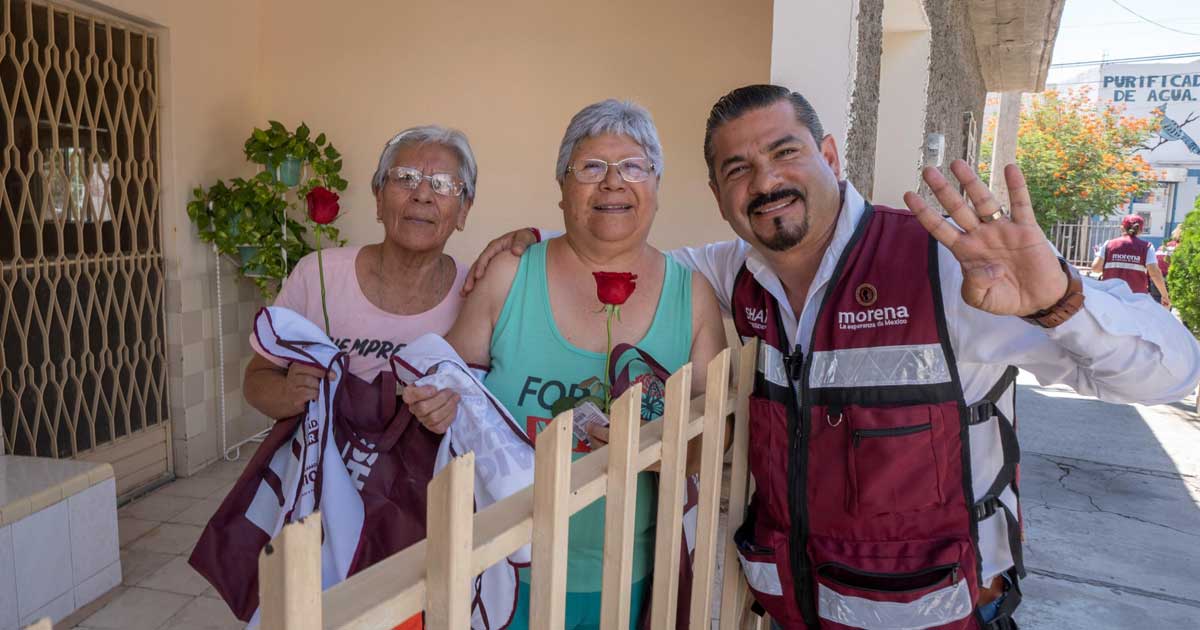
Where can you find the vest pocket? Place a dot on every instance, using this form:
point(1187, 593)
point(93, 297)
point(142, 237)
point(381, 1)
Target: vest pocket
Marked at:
point(893, 584)
point(923, 599)
point(765, 564)
point(769, 455)
point(893, 460)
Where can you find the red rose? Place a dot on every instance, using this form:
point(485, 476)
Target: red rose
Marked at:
point(322, 205)
point(614, 288)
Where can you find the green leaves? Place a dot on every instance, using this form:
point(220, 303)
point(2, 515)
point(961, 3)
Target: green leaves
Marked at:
point(566, 403)
point(1078, 159)
point(1183, 277)
point(254, 210)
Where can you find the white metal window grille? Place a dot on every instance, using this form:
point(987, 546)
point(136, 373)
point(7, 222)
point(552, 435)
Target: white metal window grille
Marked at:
point(81, 271)
point(1079, 243)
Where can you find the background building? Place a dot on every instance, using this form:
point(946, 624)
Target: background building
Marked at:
point(1171, 93)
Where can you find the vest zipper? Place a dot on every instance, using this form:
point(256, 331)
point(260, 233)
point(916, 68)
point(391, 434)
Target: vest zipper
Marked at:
point(798, 483)
point(893, 432)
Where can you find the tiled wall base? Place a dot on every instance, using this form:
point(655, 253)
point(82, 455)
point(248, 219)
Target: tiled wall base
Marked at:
point(60, 557)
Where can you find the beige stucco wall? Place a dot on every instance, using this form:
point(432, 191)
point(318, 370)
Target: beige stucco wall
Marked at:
point(511, 75)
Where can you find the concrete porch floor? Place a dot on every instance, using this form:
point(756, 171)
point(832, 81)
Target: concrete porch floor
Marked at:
point(1111, 508)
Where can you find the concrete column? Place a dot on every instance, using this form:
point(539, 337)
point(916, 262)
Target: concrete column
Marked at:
point(1004, 149)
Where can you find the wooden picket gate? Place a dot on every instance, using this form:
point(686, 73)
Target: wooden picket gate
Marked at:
point(435, 574)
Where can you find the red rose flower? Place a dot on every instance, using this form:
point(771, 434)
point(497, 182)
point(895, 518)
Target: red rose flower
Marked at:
point(614, 288)
point(322, 205)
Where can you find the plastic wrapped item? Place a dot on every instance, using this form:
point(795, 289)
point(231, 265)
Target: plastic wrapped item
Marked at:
point(585, 416)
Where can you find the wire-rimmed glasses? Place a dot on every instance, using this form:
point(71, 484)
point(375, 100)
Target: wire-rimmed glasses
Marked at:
point(594, 170)
point(410, 178)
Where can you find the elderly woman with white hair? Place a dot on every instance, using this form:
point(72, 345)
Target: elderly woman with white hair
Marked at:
point(535, 321)
point(384, 295)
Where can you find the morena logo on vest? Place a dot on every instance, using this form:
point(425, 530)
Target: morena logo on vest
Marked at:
point(866, 294)
point(873, 318)
point(1130, 258)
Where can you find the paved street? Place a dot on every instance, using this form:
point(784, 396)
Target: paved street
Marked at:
point(1111, 497)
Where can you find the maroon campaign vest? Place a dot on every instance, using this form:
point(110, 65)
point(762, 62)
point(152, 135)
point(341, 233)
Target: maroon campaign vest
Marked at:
point(863, 513)
point(1125, 258)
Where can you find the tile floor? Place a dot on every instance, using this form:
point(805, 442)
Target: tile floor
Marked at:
point(159, 590)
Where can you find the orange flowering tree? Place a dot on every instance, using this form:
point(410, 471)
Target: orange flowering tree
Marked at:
point(1079, 159)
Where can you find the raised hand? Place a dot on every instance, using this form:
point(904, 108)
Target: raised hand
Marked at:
point(1008, 265)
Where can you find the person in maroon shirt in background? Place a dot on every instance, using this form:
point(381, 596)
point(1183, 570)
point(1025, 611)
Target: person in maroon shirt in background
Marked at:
point(1133, 260)
point(1164, 253)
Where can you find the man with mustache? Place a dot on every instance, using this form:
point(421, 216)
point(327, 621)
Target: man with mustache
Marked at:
point(882, 424)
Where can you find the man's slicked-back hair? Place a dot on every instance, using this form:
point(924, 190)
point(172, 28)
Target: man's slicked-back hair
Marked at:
point(736, 103)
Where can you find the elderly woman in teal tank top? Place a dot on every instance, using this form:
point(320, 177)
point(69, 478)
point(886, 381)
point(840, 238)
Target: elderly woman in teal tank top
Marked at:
point(536, 321)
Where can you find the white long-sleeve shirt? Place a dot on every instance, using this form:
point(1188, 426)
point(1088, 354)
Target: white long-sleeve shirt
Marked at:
point(1120, 347)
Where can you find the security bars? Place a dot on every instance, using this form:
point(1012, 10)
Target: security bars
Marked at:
point(81, 270)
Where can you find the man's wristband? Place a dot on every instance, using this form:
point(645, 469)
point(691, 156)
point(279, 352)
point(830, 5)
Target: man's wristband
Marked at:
point(536, 233)
point(1067, 306)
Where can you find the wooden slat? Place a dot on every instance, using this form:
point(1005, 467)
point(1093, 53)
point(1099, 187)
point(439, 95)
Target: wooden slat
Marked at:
point(381, 595)
point(42, 624)
point(671, 490)
point(451, 510)
point(732, 578)
point(394, 589)
point(620, 510)
point(552, 470)
point(709, 509)
point(289, 570)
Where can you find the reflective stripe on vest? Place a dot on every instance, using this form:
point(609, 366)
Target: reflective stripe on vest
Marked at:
point(886, 523)
point(919, 364)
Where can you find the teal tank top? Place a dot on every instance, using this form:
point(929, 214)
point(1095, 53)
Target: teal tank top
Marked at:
point(533, 365)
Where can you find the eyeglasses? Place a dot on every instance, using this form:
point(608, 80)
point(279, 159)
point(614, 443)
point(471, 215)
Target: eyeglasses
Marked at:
point(632, 170)
point(442, 183)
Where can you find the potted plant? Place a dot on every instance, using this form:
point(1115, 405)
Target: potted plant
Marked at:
point(285, 152)
point(247, 219)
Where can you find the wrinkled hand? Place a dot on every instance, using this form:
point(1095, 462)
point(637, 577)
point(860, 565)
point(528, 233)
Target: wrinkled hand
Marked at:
point(302, 385)
point(1008, 265)
point(515, 241)
point(432, 407)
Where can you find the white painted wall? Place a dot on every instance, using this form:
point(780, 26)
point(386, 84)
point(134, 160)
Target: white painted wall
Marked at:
point(903, 90)
point(814, 51)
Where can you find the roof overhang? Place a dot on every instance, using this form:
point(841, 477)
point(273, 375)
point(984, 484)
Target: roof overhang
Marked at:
point(1014, 40)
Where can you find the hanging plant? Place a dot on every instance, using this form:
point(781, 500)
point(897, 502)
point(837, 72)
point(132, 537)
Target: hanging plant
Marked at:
point(248, 218)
